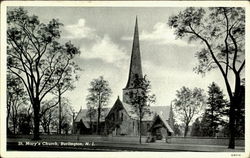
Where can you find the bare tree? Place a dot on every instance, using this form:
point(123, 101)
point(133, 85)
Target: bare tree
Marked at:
point(221, 31)
point(49, 115)
point(35, 56)
point(66, 84)
point(16, 98)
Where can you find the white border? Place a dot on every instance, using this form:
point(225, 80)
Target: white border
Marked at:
point(4, 5)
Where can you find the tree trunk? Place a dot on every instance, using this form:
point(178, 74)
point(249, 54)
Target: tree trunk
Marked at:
point(44, 127)
point(60, 111)
point(49, 120)
point(234, 102)
point(91, 124)
point(212, 112)
point(73, 123)
point(7, 124)
point(36, 108)
point(14, 121)
point(186, 130)
point(213, 124)
point(98, 120)
point(140, 129)
point(232, 124)
point(48, 130)
point(7, 119)
point(140, 122)
point(14, 126)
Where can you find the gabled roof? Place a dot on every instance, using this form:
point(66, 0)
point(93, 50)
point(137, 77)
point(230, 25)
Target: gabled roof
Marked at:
point(82, 115)
point(165, 123)
point(163, 111)
point(130, 111)
point(86, 124)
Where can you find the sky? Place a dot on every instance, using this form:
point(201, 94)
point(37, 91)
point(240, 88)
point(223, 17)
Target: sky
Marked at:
point(104, 36)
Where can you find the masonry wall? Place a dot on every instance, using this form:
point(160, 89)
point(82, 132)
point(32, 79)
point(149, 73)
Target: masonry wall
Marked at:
point(145, 127)
point(119, 123)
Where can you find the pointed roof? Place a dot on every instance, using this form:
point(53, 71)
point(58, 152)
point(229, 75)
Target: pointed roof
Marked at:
point(165, 123)
point(155, 112)
point(162, 111)
point(83, 115)
point(135, 62)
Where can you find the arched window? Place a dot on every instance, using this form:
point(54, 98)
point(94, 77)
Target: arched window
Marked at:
point(148, 126)
point(121, 116)
point(113, 117)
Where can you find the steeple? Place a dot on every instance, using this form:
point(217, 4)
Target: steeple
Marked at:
point(135, 62)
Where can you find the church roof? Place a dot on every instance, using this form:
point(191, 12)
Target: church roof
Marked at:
point(135, 62)
point(165, 123)
point(163, 111)
point(130, 111)
point(82, 115)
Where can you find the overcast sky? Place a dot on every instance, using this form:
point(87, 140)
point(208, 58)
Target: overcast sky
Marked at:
point(104, 36)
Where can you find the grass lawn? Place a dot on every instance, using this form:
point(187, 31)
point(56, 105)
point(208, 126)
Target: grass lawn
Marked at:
point(104, 143)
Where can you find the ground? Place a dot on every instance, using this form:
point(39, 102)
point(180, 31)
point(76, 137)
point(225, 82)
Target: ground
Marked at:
point(86, 143)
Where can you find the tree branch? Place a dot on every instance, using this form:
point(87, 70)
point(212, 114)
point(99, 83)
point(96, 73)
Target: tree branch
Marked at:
point(216, 61)
point(235, 48)
point(241, 67)
point(30, 38)
point(57, 80)
point(28, 90)
point(43, 112)
point(225, 41)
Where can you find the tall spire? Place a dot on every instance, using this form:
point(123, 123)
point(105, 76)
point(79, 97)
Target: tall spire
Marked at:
point(135, 62)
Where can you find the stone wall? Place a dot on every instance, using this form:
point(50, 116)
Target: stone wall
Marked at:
point(118, 122)
point(125, 126)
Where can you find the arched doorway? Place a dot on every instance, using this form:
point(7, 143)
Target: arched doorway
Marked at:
point(157, 132)
point(118, 130)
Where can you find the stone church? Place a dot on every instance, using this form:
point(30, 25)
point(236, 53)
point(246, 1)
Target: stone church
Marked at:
point(121, 118)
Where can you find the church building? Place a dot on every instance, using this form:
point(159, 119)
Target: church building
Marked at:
point(121, 119)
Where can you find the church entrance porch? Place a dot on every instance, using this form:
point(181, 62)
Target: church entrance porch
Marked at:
point(157, 132)
point(117, 130)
